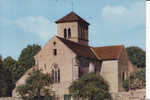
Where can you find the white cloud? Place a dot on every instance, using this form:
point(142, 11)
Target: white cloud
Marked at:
point(122, 17)
point(38, 25)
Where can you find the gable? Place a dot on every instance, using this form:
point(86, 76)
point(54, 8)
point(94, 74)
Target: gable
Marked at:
point(47, 52)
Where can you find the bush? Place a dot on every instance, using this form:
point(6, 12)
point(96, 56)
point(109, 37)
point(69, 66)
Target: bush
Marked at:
point(90, 86)
point(126, 85)
point(137, 79)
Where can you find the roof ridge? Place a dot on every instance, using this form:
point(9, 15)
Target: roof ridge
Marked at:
point(109, 46)
point(71, 17)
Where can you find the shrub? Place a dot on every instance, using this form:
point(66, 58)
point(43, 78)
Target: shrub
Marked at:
point(126, 85)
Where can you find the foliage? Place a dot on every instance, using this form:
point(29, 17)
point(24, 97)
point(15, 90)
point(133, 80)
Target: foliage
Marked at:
point(26, 58)
point(126, 85)
point(11, 70)
point(3, 83)
point(90, 86)
point(136, 56)
point(6, 79)
point(138, 79)
point(141, 75)
point(36, 86)
point(11, 66)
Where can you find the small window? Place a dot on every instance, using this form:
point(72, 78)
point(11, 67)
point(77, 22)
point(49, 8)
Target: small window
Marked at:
point(80, 73)
point(54, 43)
point(69, 33)
point(65, 33)
point(123, 76)
point(55, 52)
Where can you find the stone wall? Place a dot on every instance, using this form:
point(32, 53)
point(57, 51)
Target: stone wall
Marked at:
point(139, 94)
point(9, 98)
point(46, 61)
point(109, 72)
point(123, 63)
point(76, 31)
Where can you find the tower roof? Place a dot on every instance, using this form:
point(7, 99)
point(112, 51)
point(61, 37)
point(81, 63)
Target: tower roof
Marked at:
point(71, 17)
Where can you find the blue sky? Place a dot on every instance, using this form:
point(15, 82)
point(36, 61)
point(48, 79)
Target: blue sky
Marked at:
point(112, 22)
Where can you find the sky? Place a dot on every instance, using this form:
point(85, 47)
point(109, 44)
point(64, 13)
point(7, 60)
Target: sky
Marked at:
point(112, 22)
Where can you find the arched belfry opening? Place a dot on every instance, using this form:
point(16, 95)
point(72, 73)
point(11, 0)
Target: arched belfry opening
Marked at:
point(69, 33)
point(73, 27)
point(65, 33)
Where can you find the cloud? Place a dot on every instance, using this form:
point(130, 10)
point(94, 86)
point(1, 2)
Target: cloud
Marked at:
point(38, 25)
point(119, 18)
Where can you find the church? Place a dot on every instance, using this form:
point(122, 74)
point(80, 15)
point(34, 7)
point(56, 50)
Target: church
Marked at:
point(67, 56)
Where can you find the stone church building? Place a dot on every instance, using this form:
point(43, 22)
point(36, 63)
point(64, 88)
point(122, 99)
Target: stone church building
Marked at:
point(67, 56)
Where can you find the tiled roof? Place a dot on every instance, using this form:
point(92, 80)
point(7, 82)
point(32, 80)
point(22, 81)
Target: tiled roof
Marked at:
point(71, 17)
point(81, 50)
point(99, 53)
point(108, 52)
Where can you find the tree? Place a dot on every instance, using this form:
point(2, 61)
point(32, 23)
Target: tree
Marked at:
point(90, 86)
point(35, 86)
point(3, 83)
point(136, 56)
point(10, 66)
point(26, 58)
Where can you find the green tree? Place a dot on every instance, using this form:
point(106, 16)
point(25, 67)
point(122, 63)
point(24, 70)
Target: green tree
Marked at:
point(36, 86)
point(3, 83)
point(90, 86)
point(136, 56)
point(10, 65)
point(26, 58)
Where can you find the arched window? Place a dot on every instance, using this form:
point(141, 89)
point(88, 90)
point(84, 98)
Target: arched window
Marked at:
point(69, 33)
point(56, 79)
point(123, 76)
point(58, 75)
point(55, 73)
point(54, 52)
point(65, 33)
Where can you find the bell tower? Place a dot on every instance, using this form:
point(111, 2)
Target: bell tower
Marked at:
point(73, 27)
